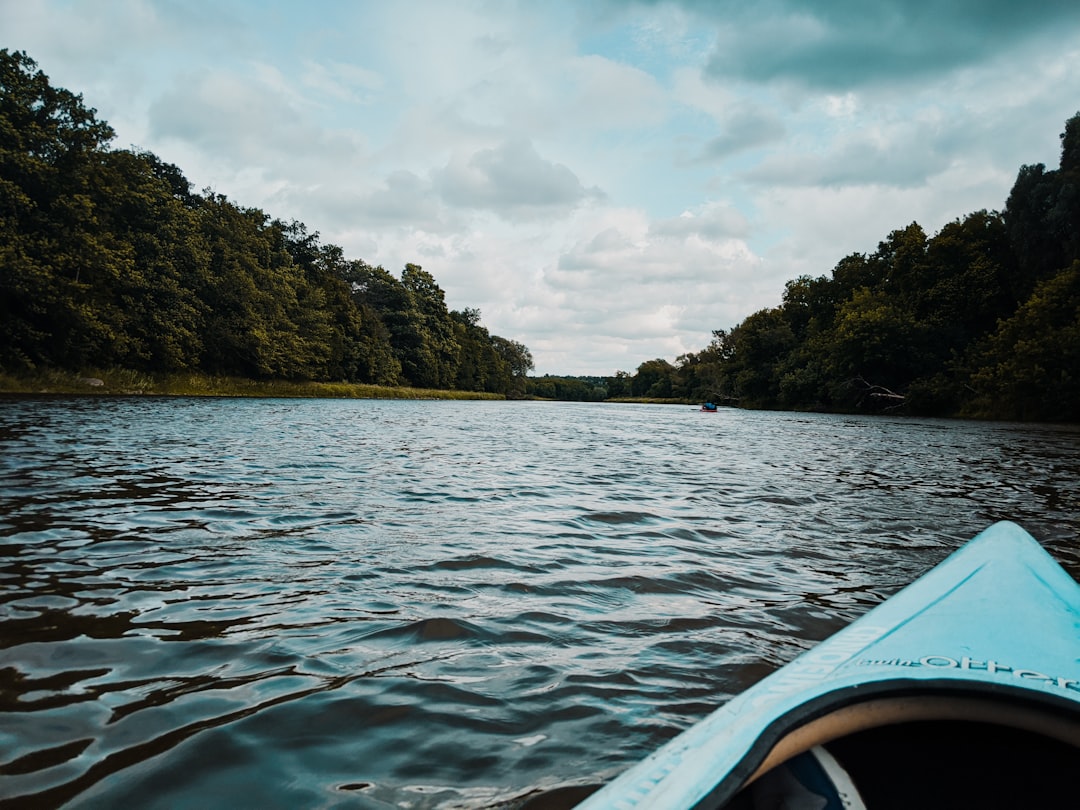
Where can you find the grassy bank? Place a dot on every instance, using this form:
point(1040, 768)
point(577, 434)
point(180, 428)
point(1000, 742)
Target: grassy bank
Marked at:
point(655, 400)
point(121, 382)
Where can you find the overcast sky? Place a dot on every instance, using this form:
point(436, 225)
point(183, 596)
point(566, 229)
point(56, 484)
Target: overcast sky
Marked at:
point(608, 182)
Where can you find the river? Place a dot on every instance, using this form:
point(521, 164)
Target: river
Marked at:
point(331, 603)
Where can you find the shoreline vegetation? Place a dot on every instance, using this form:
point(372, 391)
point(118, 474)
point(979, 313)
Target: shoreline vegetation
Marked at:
point(126, 383)
point(123, 382)
point(109, 260)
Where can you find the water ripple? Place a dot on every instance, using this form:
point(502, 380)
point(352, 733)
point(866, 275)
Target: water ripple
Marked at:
point(387, 604)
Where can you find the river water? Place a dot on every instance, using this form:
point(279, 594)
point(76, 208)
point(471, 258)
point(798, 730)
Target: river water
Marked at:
point(323, 603)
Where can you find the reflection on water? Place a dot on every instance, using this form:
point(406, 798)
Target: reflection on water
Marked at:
point(370, 604)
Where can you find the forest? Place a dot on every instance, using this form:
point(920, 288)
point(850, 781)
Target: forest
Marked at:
point(109, 259)
point(981, 320)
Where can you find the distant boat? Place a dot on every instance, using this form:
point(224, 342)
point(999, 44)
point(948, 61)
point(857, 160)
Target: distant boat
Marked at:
point(709, 407)
point(962, 690)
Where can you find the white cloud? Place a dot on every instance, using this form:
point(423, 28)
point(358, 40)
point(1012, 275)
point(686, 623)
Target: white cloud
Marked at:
point(255, 121)
point(342, 82)
point(711, 221)
point(607, 95)
point(513, 181)
point(743, 127)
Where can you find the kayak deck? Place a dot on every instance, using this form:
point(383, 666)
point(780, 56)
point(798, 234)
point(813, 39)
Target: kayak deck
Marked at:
point(962, 690)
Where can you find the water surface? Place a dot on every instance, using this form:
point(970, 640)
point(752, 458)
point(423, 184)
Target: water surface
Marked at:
point(326, 603)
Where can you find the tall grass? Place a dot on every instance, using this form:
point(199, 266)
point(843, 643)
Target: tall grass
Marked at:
point(655, 400)
point(124, 382)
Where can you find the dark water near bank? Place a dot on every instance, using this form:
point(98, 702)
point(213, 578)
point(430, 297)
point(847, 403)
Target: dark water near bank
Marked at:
point(344, 604)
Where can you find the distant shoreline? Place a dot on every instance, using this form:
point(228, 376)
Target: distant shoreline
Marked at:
point(133, 383)
point(122, 382)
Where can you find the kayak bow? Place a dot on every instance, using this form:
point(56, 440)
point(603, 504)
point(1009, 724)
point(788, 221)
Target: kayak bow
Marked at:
point(974, 666)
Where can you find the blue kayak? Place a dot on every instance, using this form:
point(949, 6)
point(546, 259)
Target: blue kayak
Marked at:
point(962, 690)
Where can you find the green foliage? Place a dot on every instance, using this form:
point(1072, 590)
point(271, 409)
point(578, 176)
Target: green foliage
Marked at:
point(619, 385)
point(107, 259)
point(434, 363)
point(567, 389)
point(653, 379)
point(874, 337)
point(517, 360)
point(1030, 365)
point(981, 319)
point(53, 257)
point(124, 382)
point(481, 366)
point(758, 348)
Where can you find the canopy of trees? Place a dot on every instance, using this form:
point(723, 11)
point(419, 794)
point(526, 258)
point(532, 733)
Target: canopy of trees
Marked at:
point(107, 259)
point(982, 319)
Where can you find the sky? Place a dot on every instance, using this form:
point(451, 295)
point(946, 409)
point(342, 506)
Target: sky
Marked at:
point(607, 182)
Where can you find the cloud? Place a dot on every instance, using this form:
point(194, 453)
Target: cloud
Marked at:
point(342, 82)
point(714, 221)
point(605, 289)
point(608, 95)
point(623, 264)
point(89, 35)
point(512, 181)
point(745, 126)
point(405, 198)
point(838, 44)
point(251, 121)
point(861, 158)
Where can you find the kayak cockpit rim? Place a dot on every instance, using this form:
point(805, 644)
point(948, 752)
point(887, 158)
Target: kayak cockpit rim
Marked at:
point(850, 710)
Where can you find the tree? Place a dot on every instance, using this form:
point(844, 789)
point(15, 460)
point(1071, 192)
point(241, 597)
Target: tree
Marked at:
point(265, 318)
point(653, 378)
point(1042, 214)
point(518, 360)
point(567, 389)
point(379, 295)
point(480, 366)
point(1030, 366)
point(147, 206)
point(876, 340)
point(759, 348)
point(809, 304)
point(1070, 146)
point(437, 358)
point(48, 128)
point(619, 385)
point(855, 272)
point(53, 252)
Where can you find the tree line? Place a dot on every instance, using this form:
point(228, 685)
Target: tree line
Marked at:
point(980, 320)
point(108, 259)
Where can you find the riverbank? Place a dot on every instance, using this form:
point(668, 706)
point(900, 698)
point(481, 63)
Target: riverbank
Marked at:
point(654, 400)
point(122, 382)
